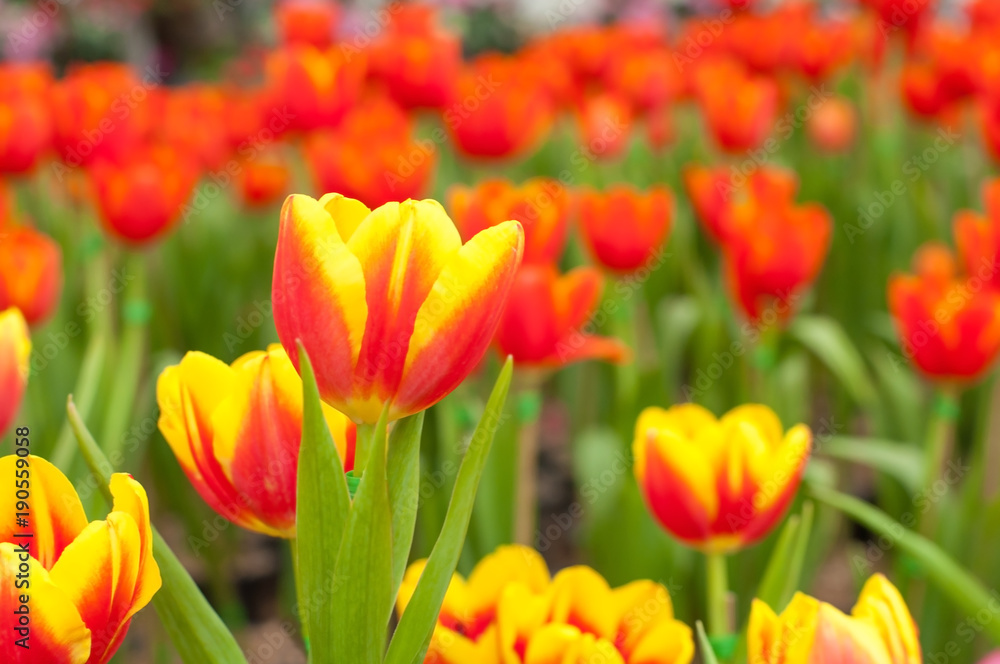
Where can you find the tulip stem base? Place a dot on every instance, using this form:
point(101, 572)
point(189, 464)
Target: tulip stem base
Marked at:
point(940, 430)
point(529, 405)
point(717, 580)
point(363, 448)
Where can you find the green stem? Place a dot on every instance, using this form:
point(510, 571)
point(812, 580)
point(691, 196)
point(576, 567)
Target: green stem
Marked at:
point(717, 584)
point(363, 447)
point(529, 406)
point(129, 362)
point(940, 430)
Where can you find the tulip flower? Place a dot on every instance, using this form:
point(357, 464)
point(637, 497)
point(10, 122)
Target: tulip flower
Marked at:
point(510, 611)
point(236, 432)
point(989, 114)
point(25, 118)
point(100, 110)
point(264, 180)
point(372, 156)
point(880, 630)
point(307, 22)
point(15, 351)
point(414, 59)
point(540, 204)
point(467, 629)
point(316, 86)
point(649, 80)
point(31, 272)
point(977, 237)
point(625, 229)
point(391, 307)
point(740, 108)
point(496, 111)
point(194, 124)
point(140, 197)
point(603, 121)
point(87, 580)
point(718, 484)
point(543, 326)
point(820, 48)
point(772, 253)
point(833, 125)
point(949, 325)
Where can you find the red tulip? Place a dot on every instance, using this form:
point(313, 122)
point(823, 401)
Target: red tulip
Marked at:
point(624, 228)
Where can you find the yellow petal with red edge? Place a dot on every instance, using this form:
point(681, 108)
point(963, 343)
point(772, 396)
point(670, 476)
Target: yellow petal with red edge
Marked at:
point(130, 498)
point(690, 468)
point(58, 634)
point(841, 639)
point(318, 291)
point(881, 606)
point(99, 572)
point(565, 644)
point(666, 642)
point(520, 613)
point(784, 639)
point(459, 317)
point(346, 213)
point(508, 564)
point(642, 605)
point(55, 516)
point(448, 647)
point(402, 248)
point(581, 597)
point(689, 419)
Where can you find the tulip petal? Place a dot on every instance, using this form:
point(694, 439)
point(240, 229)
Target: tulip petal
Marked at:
point(56, 515)
point(582, 598)
point(58, 634)
point(457, 320)
point(130, 498)
point(318, 291)
point(666, 642)
point(881, 606)
point(842, 640)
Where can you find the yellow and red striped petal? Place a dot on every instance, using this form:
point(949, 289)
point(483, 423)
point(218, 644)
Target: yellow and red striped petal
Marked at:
point(507, 565)
point(784, 639)
point(56, 514)
point(457, 320)
point(318, 293)
point(57, 632)
point(15, 352)
point(881, 606)
point(130, 498)
point(582, 598)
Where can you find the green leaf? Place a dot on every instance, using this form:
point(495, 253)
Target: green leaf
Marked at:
point(826, 339)
point(963, 589)
point(362, 591)
point(404, 490)
point(898, 460)
point(677, 317)
point(322, 510)
point(772, 586)
point(413, 635)
point(197, 632)
point(705, 646)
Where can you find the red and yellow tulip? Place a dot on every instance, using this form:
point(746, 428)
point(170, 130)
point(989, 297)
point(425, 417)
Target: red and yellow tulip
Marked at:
point(316, 86)
point(541, 205)
point(390, 305)
point(948, 324)
point(236, 432)
point(545, 323)
point(15, 352)
point(31, 273)
point(87, 580)
point(141, 196)
point(718, 484)
point(880, 630)
point(625, 229)
point(510, 612)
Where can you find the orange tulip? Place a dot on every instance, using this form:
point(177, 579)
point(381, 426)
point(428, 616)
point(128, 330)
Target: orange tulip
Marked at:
point(603, 121)
point(820, 48)
point(773, 253)
point(307, 22)
point(140, 198)
point(510, 611)
point(978, 237)
point(718, 484)
point(100, 110)
point(496, 111)
point(625, 229)
point(833, 125)
point(87, 580)
point(649, 80)
point(264, 180)
point(714, 192)
point(25, 118)
point(414, 59)
point(740, 108)
point(990, 121)
point(904, 14)
point(880, 630)
point(545, 323)
point(314, 87)
point(949, 326)
point(372, 156)
point(15, 352)
point(31, 273)
point(391, 307)
point(540, 204)
point(194, 123)
point(236, 431)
